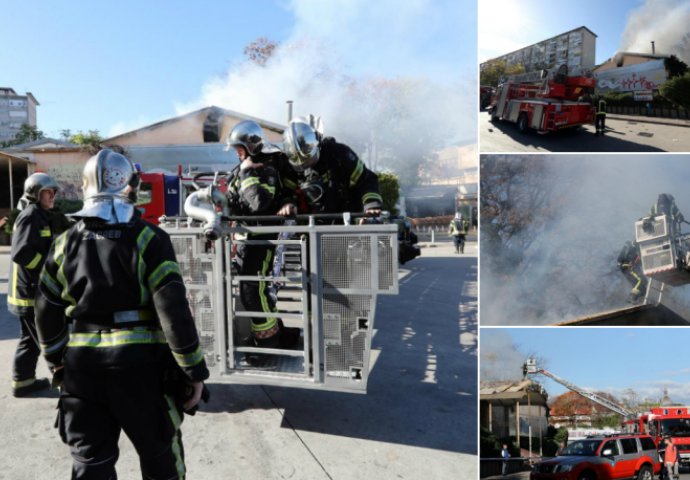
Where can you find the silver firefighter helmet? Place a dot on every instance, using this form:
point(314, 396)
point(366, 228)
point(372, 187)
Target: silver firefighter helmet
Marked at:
point(247, 134)
point(110, 183)
point(33, 186)
point(301, 141)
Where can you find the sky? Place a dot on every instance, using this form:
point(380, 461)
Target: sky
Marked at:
point(116, 66)
point(620, 25)
point(602, 359)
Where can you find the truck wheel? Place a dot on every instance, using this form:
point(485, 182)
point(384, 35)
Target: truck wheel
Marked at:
point(522, 123)
point(645, 473)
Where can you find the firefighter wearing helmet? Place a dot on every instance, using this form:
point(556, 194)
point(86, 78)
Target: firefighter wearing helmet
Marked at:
point(458, 230)
point(264, 184)
point(32, 234)
point(131, 360)
point(331, 176)
point(631, 267)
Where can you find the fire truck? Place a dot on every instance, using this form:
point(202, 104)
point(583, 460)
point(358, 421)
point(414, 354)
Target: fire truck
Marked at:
point(552, 102)
point(658, 422)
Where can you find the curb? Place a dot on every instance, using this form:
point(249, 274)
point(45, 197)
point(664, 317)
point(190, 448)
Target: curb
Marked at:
point(657, 121)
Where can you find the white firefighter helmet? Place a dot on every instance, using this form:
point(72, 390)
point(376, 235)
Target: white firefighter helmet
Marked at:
point(110, 183)
point(302, 140)
point(33, 186)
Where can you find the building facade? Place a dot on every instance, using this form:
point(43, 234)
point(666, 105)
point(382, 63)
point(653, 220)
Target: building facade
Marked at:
point(575, 48)
point(15, 110)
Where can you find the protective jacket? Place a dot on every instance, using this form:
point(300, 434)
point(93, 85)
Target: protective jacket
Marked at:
point(345, 184)
point(671, 455)
point(458, 227)
point(122, 288)
point(32, 235)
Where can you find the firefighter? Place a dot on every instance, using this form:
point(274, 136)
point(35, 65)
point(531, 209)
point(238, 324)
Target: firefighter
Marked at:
point(600, 117)
point(32, 235)
point(331, 177)
point(458, 230)
point(265, 185)
point(665, 205)
point(629, 265)
point(131, 360)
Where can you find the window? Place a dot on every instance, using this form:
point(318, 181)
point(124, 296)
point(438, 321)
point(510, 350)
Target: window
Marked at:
point(611, 445)
point(629, 445)
point(647, 443)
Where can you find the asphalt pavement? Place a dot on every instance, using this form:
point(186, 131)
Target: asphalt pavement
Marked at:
point(418, 419)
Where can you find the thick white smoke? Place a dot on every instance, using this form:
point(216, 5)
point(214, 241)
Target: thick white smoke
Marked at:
point(350, 62)
point(500, 360)
point(570, 271)
point(665, 22)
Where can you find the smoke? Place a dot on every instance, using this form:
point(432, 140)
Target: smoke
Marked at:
point(500, 360)
point(666, 22)
point(570, 270)
point(350, 63)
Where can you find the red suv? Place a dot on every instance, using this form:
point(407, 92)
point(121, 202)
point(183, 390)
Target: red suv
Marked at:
point(602, 458)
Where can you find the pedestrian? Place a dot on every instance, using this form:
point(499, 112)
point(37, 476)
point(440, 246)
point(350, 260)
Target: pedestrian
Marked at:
point(505, 455)
point(458, 230)
point(600, 117)
point(32, 235)
point(264, 185)
point(131, 360)
point(631, 267)
point(331, 176)
point(671, 460)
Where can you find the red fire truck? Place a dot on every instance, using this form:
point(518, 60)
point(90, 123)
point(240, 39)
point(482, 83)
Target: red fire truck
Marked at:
point(547, 104)
point(673, 422)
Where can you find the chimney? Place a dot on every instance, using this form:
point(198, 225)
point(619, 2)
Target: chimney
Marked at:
point(653, 51)
point(289, 103)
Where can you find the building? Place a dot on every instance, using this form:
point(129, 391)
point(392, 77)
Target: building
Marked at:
point(575, 48)
point(631, 72)
point(15, 110)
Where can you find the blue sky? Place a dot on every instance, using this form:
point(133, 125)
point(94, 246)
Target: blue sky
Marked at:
point(507, 25)
point(601, 359)
point(116, 66)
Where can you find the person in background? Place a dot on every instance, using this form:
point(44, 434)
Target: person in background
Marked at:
point(32, 235)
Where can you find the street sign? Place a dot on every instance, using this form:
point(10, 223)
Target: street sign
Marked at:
point(643, 96)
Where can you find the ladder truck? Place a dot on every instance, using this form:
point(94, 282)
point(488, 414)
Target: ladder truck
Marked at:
point(548, 103)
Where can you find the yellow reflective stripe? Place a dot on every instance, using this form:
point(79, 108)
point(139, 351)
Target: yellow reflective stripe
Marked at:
point(174, 414)
point(143, 241)
point(23, 383)
point(371, 196)
point(269, 188)
point(354, 177)
point(163, 270)
point(48, 348)
point(248, 182)
point(289, 184)
point(50, 283)
point(144, 238)
point(116, 338)
point(270, 321)
point(34, 262)
point(59, 256)
point(12, 298)
point(189, 359)
point(45, 232)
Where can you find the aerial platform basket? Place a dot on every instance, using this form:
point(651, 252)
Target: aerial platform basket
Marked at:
point(664, 253)
point(328, 279)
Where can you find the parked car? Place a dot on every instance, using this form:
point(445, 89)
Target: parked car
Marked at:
point(602, 457)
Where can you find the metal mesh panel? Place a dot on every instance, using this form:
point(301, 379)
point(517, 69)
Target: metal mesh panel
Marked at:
point(346, 261)
point(387, 275)
point(347, 328)
point(656, 228)
point(196, 268)
point(657, 255)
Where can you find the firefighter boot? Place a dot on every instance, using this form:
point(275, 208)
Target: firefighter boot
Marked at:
point(25, 388)
point(286, 338)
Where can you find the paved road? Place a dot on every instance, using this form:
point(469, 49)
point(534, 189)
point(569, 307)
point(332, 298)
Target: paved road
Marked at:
point(623, 134)
point(418, 419)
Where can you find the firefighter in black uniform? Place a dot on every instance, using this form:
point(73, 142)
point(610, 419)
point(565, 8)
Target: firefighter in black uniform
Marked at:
point(264, 185)
point(458, 230)
point(665, 205)
point(32, 235)
point(600, 117)
point(131, 360)
point(629, 265)
point(331, 177)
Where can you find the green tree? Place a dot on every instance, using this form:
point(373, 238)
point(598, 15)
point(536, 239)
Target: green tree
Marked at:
point(92, 138)
point(492, 74)
point(675, 67)
point(27, 133)
point(389, 186)
point(677, 90)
